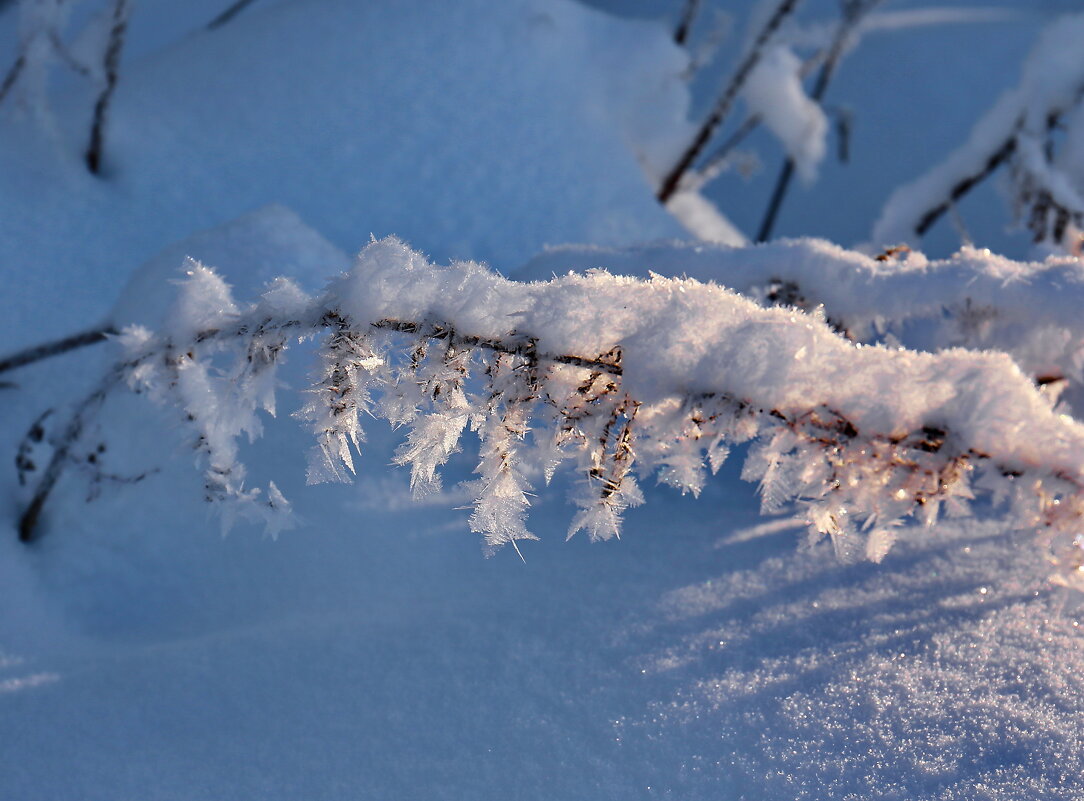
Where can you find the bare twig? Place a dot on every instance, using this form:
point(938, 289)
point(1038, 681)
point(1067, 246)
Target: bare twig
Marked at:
point(672, 181)
point(12, 75)
point(231, 12)
point(715, 164)
point(719, 161)
point(28, 523)
point(688, 16)
point(967, 183)
point(111, 64)
point(1001, 155)
point(55, 348)
point(782, 183)
point(844, 124)
point(852, 14)
point(65, 55)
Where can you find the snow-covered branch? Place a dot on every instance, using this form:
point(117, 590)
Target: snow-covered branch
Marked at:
point(671, 182)
point(1051, 85)
point(625, 378)
point(805, 142)
point(974, 299)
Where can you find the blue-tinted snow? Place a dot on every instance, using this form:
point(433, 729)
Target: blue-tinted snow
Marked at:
point(374, 653)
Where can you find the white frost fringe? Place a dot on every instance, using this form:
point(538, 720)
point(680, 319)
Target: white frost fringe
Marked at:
point(624, 377)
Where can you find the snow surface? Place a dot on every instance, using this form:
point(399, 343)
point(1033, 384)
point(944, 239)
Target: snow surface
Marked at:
point(372, 119)
point(372, 652)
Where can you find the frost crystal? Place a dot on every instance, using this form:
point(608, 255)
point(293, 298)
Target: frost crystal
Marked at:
point(624, 378)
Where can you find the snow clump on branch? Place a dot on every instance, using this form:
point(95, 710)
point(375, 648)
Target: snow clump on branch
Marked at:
point(974, 299)
point(625, 378)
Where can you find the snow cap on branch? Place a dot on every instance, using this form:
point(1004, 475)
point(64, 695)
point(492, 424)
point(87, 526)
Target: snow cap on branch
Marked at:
point(774, 92)
point(625, 377)
point(1051, 84)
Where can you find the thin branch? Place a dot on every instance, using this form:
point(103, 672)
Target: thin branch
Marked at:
point(231, 12)
point(12, 75)
point(852, 14)
point(1005, 150)
point(29, 520)
point(672, 181)
point(55, 348)
point(718, 162)
point(65, 55)
point(968, 182)
point(775, 202)
point(688, 16)
point(112, 73)
point(607, 363)
point(920, 468)
point(29, 530)
point(844, 123)
point(715, 164)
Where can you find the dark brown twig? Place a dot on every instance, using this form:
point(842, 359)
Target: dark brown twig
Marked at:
point(672, 181)
point(688, 16)
point(28, 523)
point(526, 347)
point(12, 75)
point(1004, 152)
point(715, 163)
point(228, 14)
point(65, 55)
point(111, 63)
point(967, 183)
point(55, 348)
point(852, 14)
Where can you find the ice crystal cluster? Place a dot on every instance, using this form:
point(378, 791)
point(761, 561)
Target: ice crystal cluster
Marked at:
point(622, 379)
